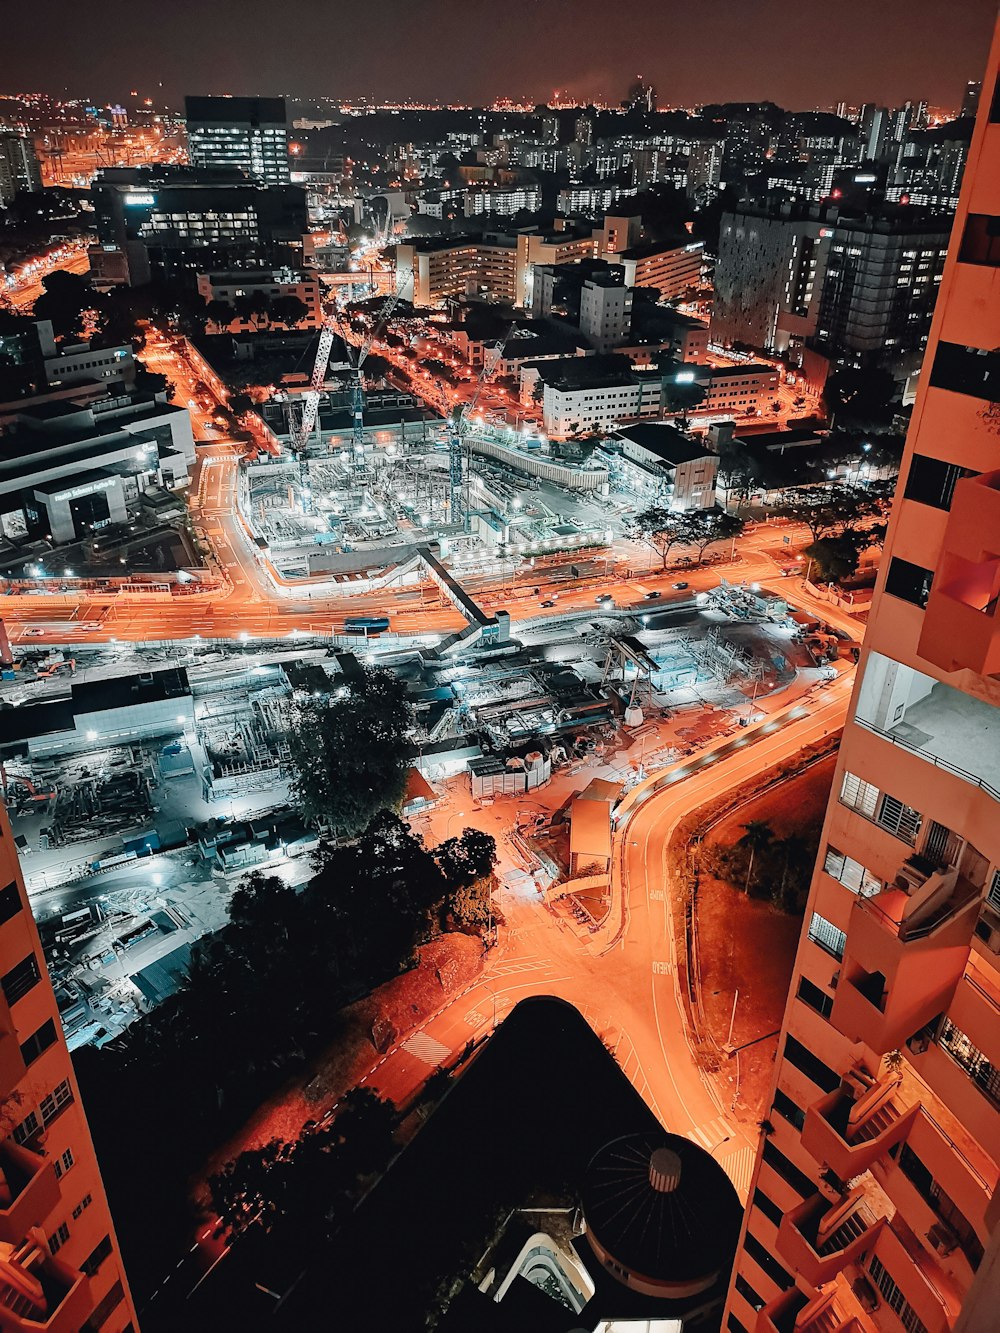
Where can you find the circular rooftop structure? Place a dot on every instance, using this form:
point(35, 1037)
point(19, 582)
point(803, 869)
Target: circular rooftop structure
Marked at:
point(661, 1214)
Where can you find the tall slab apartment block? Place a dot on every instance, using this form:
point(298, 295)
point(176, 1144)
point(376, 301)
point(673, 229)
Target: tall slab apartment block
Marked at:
point(874, 1204)
point(60, 1265)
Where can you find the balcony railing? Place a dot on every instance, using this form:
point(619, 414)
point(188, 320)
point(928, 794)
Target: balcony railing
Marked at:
point(961, 626)
point(39, 1293)
point(819, 1238)
point(931, 758)
point(29, 1191)
point(832, 1311)
point(850, 1134)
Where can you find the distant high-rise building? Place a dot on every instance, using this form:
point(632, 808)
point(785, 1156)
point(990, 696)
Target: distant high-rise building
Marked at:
point(874, 1203)
point(704, 168)
point(249, 133)
point(185, 220)
point(641, 96)
point(874, 125)
point(60, 1265)
point(549, 128)
point(859, 284)
point(841, 110)
point(606, 309)
point(19, 173)
point(970, 99)
point(902, 121)
point(583, 131)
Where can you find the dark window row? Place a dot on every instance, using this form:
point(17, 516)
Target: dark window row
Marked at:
point(785, 1107)
point(747, 1292)
point(931, 481)
point(814, 997)
point(970, 370)
point(767, 1263)
point(38, 1042)
point(811, 1065)
point(97, 1256)
point(980, 240)
point(103, 1311)
point(788, 1171)
point(911, 583)
point(19, 980)
point(10, 902)
point(768, 1207)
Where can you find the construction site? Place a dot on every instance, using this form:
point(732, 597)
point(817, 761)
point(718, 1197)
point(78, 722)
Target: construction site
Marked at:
point(142, 783)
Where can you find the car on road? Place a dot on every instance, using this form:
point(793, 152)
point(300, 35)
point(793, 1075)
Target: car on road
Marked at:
point(652, 596)
point(604, 597)
point(681, 586)
point(547, 604)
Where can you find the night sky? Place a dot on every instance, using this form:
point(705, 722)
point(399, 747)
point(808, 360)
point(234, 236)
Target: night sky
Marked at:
point(798, 53)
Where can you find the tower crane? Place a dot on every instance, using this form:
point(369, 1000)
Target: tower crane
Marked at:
point(458, 426)
point(356, 359)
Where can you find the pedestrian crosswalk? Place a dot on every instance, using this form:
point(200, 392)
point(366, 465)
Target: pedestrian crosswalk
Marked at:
point(712, 1135)
point(738, 1166)
point(427, 1049)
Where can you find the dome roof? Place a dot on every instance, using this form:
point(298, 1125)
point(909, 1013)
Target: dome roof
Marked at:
point(662, 1207)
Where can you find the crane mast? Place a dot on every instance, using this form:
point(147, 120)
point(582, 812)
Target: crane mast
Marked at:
point(357, 395)
point(457, 426)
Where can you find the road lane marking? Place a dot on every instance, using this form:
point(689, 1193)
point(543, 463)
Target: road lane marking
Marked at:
point(738, 1166)
point(711, 1135)
point(426, 1048)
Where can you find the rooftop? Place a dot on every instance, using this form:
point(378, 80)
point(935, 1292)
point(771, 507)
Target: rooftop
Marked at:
point(98, 696)
point(664, 440)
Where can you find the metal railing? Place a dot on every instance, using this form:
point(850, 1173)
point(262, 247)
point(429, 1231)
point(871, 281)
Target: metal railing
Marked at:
point(930, 758)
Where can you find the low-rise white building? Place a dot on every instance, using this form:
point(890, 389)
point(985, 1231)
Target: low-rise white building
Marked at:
point(667, 467)
point(585, 394)
point(271, 284)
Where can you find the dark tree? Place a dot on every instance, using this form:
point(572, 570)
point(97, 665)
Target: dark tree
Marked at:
point(350, 752)
point(67, 296)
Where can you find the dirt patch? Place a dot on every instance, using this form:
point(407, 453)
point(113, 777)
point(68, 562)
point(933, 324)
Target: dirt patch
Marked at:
point(446, 965)
point(745, 944)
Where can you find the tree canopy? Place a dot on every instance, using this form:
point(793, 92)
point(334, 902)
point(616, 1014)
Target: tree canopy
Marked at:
point(350, 751)
point(663, 529)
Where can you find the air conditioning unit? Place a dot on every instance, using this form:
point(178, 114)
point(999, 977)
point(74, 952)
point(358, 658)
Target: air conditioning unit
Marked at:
point(942, 1238)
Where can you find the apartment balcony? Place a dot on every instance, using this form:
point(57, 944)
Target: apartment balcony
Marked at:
point(961, 626)
point(897, 1257)
point(852, 1128)
point(832, 1311)
point(905, 954)
point(28, 1191)
point(819, 1238)
point(40, 1294)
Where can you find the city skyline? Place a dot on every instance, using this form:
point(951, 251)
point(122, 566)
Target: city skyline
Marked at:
point(535, 52)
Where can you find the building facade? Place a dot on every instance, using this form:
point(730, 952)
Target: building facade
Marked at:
point(61, 1268)
point(184, 221)
point(673, 270)
point(605, 310)
point(434, 270)
point(248, 133)
point(861, 285)
point(19, 170)
point(874, 1199)
point(271, 284)
point(580, 404)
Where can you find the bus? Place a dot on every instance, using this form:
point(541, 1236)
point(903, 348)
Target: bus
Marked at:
point(366, 625)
